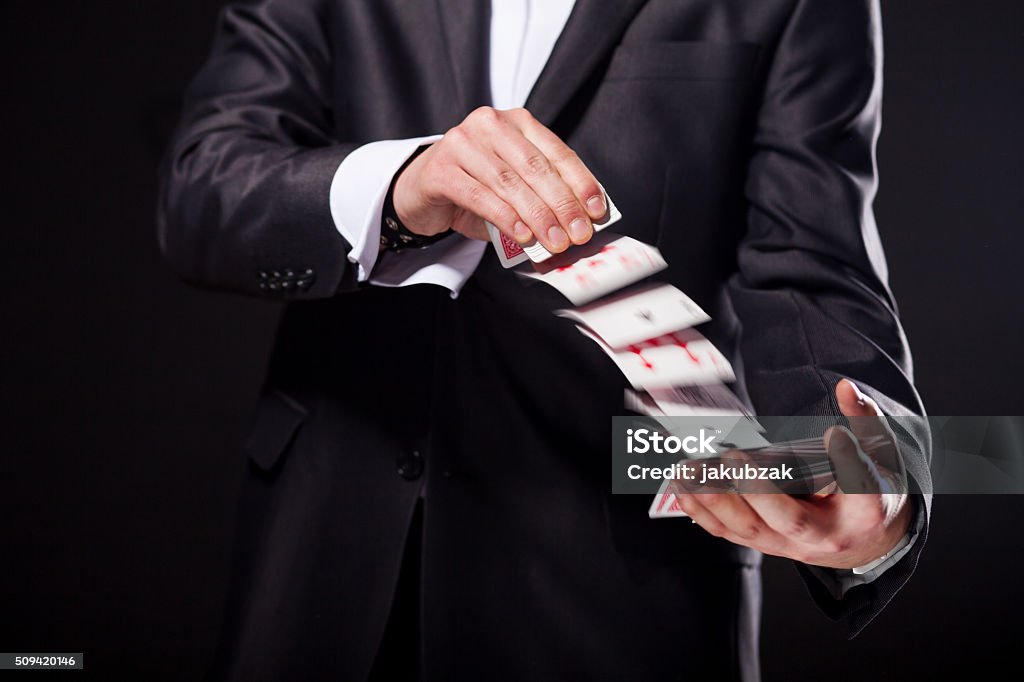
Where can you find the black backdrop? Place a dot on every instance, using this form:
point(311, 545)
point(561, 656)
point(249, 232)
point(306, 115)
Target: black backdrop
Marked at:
point(125, 394)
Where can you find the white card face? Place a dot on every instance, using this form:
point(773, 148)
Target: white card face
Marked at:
point(639, 315)
point(681, 358)
point(511, 253)
point(606, 263)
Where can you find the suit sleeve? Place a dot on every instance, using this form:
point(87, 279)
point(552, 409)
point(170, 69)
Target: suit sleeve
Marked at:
point(245, 186)
point(811, 289)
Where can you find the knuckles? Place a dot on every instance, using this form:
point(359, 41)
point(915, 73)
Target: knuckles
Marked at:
point(475, 193)
point(564, 154)
point(715, 528)
point(506, 178)
point(520, 114)
point(537, 165)
point(484, 115)
point(750, 532)
point(799, 526)
point(505, 216)
point(456, 135)
point(539, 214)
point(566, 206)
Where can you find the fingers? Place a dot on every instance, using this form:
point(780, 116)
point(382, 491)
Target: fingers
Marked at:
point(548, 193)
point(791, 518)
point(533, 170)
point(482, 160)
point(473, 198)
point(840, 530)
point(733, 519)
point(760, 516)
point(585, 187)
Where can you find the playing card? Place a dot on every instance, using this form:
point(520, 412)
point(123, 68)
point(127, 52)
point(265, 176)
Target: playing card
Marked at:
point(510, 253)
point(606, 263)
point(665, 505)
point(713, 399)
point(642, 403)
point(677, 359)
point(638, 315)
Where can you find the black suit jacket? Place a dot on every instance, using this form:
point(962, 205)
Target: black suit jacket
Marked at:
point(737, 136)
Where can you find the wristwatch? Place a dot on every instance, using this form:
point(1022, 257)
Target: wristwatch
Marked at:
point(394, 236)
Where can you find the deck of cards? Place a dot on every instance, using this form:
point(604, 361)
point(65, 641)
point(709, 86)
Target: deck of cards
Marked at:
point(647, 330)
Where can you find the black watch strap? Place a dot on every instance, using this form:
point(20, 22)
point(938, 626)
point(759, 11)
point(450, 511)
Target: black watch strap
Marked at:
point(394, 236)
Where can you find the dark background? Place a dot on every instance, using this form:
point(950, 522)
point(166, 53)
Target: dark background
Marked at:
point(125, 395)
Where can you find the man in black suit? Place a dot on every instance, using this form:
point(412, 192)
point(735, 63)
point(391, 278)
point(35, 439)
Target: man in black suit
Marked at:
point(463, 426)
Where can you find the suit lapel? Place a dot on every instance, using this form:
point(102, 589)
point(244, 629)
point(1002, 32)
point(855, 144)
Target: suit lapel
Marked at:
point(466, 26)
point(593, 29)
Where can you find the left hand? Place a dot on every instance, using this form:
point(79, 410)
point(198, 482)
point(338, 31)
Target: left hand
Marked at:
point(836, 530)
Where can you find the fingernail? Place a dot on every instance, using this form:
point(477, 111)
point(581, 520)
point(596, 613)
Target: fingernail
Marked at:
point(580, 230)
point(595, 205)
point(557, 237)
point(521, 232)
point(862, 397)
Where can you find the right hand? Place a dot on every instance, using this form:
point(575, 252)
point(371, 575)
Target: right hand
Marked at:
point(508, 169)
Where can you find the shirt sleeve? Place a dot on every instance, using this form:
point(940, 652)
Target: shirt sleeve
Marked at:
point(357, 197)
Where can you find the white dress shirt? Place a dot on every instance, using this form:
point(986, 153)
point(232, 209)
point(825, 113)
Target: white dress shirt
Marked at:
point(523, 33)
point(522, 36)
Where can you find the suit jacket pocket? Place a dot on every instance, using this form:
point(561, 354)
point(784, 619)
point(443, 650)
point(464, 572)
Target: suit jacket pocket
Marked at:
point(278, 418)
point(683, 61)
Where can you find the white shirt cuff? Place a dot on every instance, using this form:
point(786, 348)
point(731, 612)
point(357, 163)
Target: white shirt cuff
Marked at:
point(358, 191)
point(357, 195)
point(448, 263)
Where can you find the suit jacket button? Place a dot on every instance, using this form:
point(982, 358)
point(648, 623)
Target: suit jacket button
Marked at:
point(410, 465)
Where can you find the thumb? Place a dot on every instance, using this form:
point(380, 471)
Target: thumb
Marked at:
point(869, 425)
point(855, 403)
point(855, 471)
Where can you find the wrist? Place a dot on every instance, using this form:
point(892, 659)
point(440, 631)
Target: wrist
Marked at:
point(894, 532)
point(406, 196)
point(395, 235)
